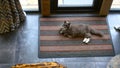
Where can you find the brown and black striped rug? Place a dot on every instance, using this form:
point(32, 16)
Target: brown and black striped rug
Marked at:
point(52, 45)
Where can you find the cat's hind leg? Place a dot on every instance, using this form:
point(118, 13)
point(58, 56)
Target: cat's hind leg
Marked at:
point(96, 32)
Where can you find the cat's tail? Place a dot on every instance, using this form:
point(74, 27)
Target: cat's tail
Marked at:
point(96, 32)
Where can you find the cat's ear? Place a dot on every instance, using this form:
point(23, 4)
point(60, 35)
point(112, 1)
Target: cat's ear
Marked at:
point(67, 22)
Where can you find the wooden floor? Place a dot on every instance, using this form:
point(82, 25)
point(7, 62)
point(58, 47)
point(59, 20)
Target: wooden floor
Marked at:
point(21, 46)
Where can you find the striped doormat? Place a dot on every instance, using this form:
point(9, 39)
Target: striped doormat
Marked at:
point(52, 45)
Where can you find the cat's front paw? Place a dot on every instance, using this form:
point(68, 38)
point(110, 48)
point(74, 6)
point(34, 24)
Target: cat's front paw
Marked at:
point(69, 36)
point(86, 40)
point(61, 32)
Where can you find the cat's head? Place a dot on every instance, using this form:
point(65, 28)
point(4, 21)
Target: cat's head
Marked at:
point(66, 24)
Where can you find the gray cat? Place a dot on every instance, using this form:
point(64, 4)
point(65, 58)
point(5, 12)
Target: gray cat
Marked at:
point(80, 30)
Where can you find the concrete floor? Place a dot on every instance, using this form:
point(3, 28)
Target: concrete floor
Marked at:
point(21, 46)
